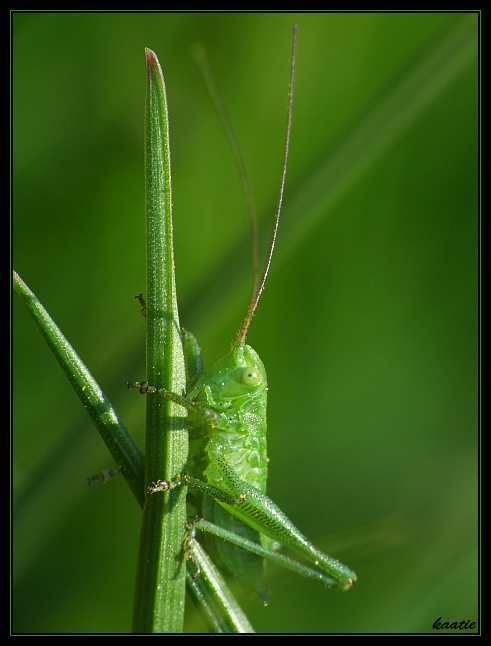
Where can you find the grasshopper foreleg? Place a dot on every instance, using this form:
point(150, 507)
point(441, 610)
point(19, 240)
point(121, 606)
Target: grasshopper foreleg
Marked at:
point(208, 414)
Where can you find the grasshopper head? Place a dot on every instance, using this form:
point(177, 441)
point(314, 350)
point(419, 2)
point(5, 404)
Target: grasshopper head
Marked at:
point(239, 373)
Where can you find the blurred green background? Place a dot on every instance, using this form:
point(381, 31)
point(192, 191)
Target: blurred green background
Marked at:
point(368, 326)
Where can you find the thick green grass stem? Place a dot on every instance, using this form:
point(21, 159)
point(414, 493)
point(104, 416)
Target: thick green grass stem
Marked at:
point(160, 579)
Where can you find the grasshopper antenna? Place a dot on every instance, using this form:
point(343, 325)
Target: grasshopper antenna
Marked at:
point(201, 60)
point(241, 335)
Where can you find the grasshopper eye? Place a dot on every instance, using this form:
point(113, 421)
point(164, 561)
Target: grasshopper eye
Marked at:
point(250, 376)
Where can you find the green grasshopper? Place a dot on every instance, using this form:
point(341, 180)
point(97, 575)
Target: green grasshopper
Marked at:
point(227, 416)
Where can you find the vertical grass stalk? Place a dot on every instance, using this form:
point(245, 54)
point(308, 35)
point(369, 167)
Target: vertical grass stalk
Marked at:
point(160, 579)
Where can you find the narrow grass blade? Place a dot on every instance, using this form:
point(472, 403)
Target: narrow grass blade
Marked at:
point(213, 597)
point(118, 440)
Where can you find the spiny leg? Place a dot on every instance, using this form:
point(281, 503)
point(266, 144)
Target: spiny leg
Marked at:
point(199, 485)
point(208, 414)
point(260, 512)
point(234, 502)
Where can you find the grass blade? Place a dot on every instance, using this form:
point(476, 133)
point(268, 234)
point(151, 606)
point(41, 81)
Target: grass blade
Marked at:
point(160, 582)
point(118, 440)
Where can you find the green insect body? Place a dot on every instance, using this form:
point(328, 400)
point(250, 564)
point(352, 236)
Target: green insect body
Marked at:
point(227, 405)
point(227, 419)
point(235, 448)
point(236, 388)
